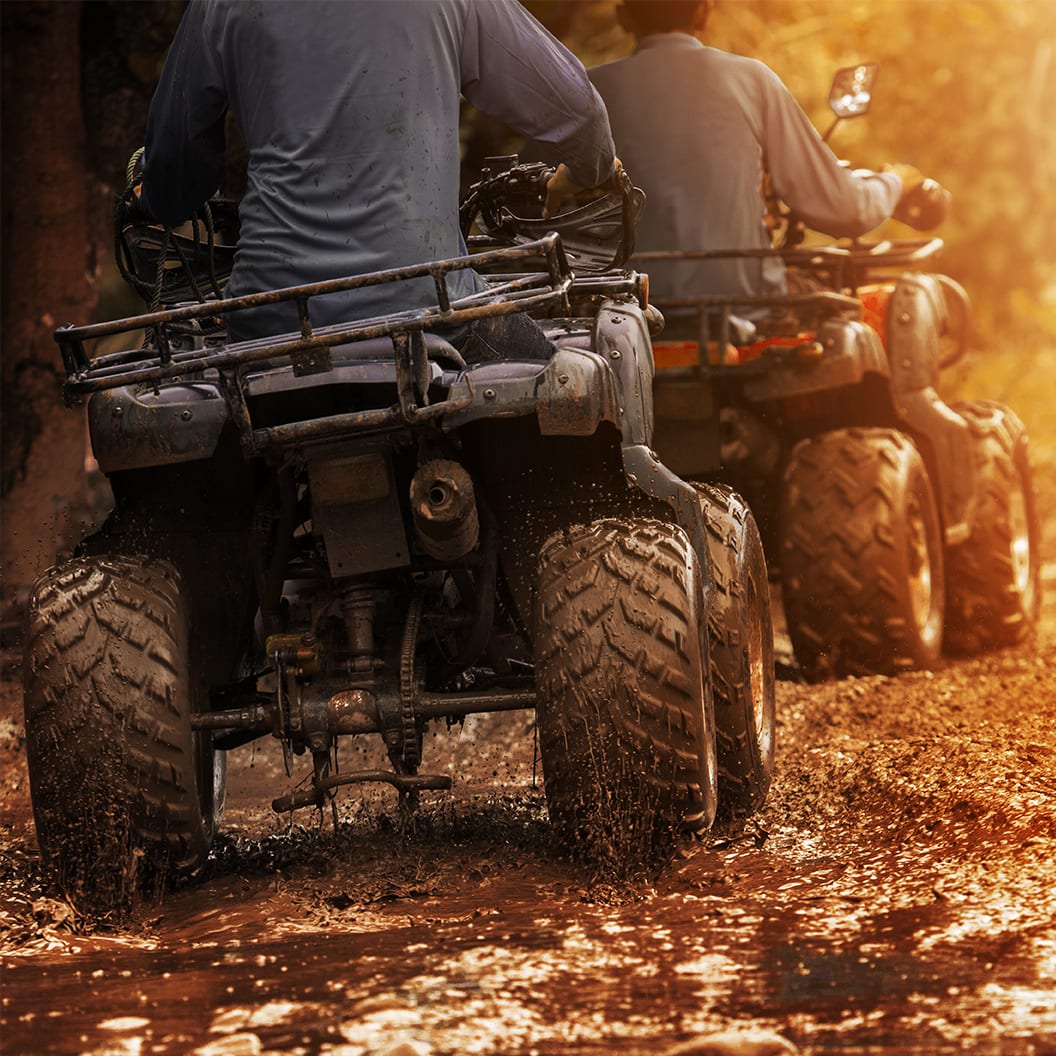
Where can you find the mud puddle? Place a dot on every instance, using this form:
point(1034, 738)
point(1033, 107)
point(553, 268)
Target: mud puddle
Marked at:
point(525, 964)
point(897, 894)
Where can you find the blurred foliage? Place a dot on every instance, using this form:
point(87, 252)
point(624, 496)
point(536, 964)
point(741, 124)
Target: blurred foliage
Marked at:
point(966, 92)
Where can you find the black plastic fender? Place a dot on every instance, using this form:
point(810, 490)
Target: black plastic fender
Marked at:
point(916, 320)
point(135, 427)
point(849, 350)
point(621, 336)
point(647, 474)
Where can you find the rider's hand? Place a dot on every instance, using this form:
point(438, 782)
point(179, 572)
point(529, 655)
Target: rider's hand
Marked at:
point(911, 177)
point(560, 187)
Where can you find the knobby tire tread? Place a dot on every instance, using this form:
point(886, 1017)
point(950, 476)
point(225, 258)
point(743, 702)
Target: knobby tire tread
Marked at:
point(623, 698)
point(739, 579)
point(842, 521)
point(110, 751)
point(986, 608)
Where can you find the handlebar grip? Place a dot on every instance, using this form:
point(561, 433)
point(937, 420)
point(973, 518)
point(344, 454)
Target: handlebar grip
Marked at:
point(925, 207)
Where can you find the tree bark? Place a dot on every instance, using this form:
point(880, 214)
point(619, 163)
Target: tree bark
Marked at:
point(77, 80)
point(45, 283)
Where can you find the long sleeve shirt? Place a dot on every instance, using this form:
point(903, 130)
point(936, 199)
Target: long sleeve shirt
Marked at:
point(693, 126)
point(350, 111)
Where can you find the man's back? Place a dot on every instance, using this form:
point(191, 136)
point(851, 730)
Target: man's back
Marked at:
point(684, 119)
point(329, 130)
point(350, 114)
point(692, 125)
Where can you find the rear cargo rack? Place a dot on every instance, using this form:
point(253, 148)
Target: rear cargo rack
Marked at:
point(842, 267)
point(846, 265)
point(309, 351)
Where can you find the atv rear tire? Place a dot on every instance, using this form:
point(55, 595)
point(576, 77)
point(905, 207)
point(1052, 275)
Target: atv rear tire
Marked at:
point(994, 594)
point(741, 646)
point(124, 792)
point(626, 721)
point(861, 555)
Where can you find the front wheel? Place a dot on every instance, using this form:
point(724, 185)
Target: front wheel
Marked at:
point(124, 791)
point(626, 720)
point(995, 591)
point(861, 555)
point(741, 647)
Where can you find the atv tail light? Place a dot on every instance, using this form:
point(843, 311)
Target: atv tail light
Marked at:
point(676, 354)
point(809, 351)
point(687, 354)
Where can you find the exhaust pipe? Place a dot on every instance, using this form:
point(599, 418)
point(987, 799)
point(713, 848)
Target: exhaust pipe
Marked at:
point(444, 508)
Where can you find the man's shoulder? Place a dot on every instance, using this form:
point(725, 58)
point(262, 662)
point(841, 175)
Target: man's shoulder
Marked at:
point(706, 57)
point(744, 76)
point(739, 65)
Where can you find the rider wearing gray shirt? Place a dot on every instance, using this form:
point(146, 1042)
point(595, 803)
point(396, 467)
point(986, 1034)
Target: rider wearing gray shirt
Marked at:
point(693, 125)
point(350, 112)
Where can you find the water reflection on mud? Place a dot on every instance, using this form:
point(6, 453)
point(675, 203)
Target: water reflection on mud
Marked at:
point(523, 963)
point(898, 894)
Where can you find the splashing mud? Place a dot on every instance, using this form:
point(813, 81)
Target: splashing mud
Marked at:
point(898, 893)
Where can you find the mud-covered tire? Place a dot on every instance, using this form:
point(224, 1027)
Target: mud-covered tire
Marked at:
point(994, 593)
point(741, 647)
point(625, 714)
point(124, 793)
point(862, 573)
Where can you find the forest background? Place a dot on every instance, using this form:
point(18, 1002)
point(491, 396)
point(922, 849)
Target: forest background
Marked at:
point(966, 92)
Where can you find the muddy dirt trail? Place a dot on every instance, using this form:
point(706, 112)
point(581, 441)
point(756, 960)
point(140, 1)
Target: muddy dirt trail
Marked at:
point(896, 894)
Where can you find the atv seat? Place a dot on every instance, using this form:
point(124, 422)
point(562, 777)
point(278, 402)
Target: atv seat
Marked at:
point(371, 361)
point(380, 348)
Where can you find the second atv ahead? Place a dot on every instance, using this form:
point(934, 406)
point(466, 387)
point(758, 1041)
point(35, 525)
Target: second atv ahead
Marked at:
point(351, 531)
point(899, 523)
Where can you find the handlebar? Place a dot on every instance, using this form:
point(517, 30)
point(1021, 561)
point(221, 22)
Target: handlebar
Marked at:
point(506, 205)
point(846, 265)
point(924, 207)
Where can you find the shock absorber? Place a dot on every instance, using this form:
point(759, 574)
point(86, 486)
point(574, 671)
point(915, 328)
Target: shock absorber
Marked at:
point(359, 603)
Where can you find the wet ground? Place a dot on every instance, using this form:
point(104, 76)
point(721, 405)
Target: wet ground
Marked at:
point(897, 894)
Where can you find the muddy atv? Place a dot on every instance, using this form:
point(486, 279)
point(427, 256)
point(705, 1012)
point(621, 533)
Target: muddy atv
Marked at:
point(898, 523)
point(350, 531)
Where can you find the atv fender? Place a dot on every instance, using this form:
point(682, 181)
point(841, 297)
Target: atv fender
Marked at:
point(136, 427)
point(916, 319)
point(578, 393)
point(647, 474)
point(621, 339)
point(621, 335)
point(606, 376)
point(849, 350)
point(570, 394)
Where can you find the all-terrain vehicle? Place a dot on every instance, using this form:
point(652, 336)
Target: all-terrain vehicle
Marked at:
point(897, 522)
point(351, 531)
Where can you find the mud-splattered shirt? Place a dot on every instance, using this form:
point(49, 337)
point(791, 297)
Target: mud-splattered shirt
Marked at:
point(350, 112)
point(692, 126)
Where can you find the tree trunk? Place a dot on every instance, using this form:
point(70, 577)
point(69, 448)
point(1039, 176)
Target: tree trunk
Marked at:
point(45, 283)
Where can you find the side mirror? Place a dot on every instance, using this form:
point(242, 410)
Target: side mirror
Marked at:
point(852, 90)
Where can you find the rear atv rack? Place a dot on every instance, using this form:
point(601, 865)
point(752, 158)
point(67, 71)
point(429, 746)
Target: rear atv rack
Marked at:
point(847, 264)
point(838, 268)
point(309, 351)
